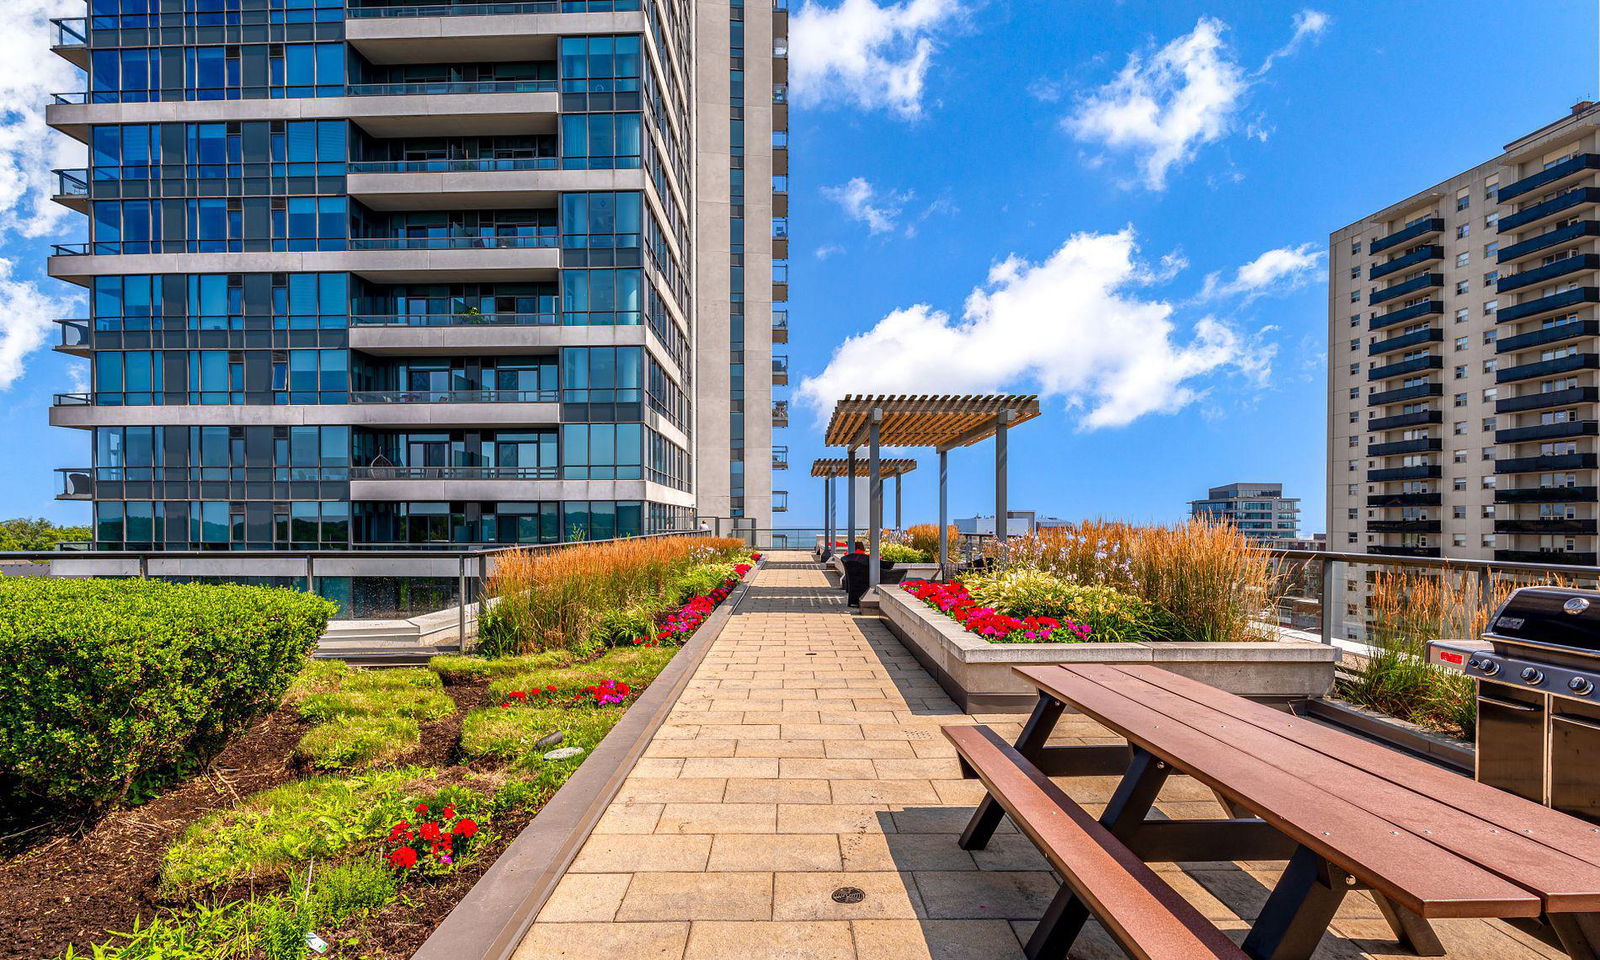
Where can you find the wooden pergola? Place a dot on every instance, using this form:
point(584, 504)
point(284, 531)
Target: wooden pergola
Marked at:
point(828, 468)
point(942, 422)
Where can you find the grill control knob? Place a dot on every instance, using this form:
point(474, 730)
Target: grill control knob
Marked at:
point(1533, 675)
point(1489, 667)
point(1581, 686)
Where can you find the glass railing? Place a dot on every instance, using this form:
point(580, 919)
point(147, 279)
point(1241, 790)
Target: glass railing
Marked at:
point(490, 9)
point(454, 473)
point(1555, 172)
point(475, 165)
point(75, 334)
point(481, 242)
point(455, 319)
point(453, 396)
point(75, 483)
point(424, 87)
point(468, 242)
point(71, 31)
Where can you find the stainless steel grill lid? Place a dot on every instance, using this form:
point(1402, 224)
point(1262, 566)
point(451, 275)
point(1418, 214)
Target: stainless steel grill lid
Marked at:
point(1549, 618)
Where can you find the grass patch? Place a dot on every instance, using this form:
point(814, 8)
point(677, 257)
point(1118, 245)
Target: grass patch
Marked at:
point(364, 717)
point(454, 667)
point(316, 819)
point(635, 666)
point(509, 734)
point(358, 741)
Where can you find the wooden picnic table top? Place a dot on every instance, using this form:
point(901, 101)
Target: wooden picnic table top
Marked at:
point(1438, 843)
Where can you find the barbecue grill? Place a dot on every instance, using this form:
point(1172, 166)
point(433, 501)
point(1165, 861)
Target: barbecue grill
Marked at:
point(1538, 673)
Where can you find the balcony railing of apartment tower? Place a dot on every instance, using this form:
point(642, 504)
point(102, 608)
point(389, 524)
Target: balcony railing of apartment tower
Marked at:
point(70, 32)
point(1412, 231)
point(323, 245)
point(1412, 339)
point(455, 473)
point(1402, 367)
point(1424, 254)
point(1405, 500)
point(1545, 494)
point(489, 9)
point(1420, 282)
point(1547, 304)
point(1412, 419)
point(1546, 399)
point(1549, 271)
point(157, 398)
point(780, 413)
point(1551, 175)
point(1419, 445)
point(1415, 392)
point(780, 501)
point(780, 326)
point(1546, 462)
point(1555, 333)
point(1548, 431)
point(780, 370)
point(1424, 308)
point(1549, 208)
point(1544, 241)
point(780, 458)
point(1546, 368)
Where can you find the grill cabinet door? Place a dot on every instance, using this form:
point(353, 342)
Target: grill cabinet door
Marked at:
point(1575, 759)
point(1511, 740)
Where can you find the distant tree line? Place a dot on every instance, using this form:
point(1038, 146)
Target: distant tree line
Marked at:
point(36, 533)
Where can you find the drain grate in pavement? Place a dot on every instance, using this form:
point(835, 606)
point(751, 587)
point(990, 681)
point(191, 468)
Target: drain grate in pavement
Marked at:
point(849, 895)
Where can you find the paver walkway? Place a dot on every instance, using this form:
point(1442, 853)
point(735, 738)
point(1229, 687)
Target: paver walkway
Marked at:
point(805, 757)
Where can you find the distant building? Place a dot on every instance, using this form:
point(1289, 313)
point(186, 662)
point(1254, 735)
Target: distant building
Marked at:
point(1260, 511)
point(1019, 523)
point(1317, 541)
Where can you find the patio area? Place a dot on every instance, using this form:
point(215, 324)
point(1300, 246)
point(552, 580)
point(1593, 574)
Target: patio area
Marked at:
point(800, 802)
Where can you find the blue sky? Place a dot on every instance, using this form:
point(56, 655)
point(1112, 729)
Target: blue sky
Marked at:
point(1121, 205)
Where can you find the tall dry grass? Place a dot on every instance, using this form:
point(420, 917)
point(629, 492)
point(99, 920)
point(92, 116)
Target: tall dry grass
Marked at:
point(925, 537)
point(1208, 578)
point(553, 599)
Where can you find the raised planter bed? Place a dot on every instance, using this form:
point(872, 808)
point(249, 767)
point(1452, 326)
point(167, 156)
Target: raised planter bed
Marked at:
point(978, 674)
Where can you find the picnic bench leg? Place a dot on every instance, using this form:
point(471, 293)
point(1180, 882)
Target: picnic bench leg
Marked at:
point(1413, 931)
point(1299, 909)
point(1135, 795)
point(1032, 739)
point(1058, 929)
point(1579, 933)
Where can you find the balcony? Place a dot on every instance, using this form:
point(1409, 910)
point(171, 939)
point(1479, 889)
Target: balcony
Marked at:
point(1555, 333)
point(1406, 393)
point(1549, 208)
point(780, 413)
point(1402, 367)
point(1548, 431)
point(1423, 254)
point(381, 259)
point(473, 165)
point(780, 501)
point(1548, 304)
point(1551, 398)
point(455, 473)
point(1546, 241)
point(1546, 556)
point(455, 319)
point(1549, 271)
point(1547, 526)
point(77, 337)
point(453, 396)
point(780, 458)
point(1548, 368)
point(1402, 526)
point(1412, 339)
point(1414, 419)
point(1426, 308)
point(780, 326)
point(1404, 551)
point(1546, 463)
point(1426, 471)
point(1415, 284)
point(450, 9)
point(1420, 445)
point(1405, 500)
point(1566, 169)
point(1414, 231)
point(76, 483)
point(780, 371)
point(71, 40)
point(1546, 495)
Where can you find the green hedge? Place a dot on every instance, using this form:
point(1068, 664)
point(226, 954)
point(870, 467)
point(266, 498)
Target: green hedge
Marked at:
point(114, 684)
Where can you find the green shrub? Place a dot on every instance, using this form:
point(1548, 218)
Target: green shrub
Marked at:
point(622, 624)
point(900, 553)
point(113, 682)
point(316, 819)
point(358, 741)
point(1111, 615)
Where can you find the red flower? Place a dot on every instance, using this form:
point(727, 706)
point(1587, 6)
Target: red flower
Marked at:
point(405, 857)
point(430, 832)
point(465, 828)
point(449, 811)
point(420, 808)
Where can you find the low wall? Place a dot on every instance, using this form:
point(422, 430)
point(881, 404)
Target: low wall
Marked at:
point(978, 674)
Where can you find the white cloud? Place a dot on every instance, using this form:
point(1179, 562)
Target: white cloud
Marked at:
point(27, 316)
point(865, 55)
point(1073, 325)
point(1279, 270)
point(29, 149)
point(827, 250)
point(862, 201)
point(1163, 108)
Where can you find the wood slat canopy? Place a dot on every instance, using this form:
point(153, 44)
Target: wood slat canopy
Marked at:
point(943, 422)
point(840, 467)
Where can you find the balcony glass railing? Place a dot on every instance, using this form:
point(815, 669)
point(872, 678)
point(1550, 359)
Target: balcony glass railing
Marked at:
point(1544, 462)
point(424, 87)
point(1424, 254)
point(456, 165)
point(71, 31)
point(1425, 308)
point(1548, 431)
point(1537, 212)
point(75, 334)
point(780, 413)
point(238, 398)
point(1555, 333)
point(1549, 271)
point(1547, 399)
point(1552, 174)
point(1405, 393)
point(551, 472)
point(455, 319)
point(453, 396)
point(1403, 367)
point(1412, 231)
point(490, 9)
point(1422, 282)
point(1552, 238)
point(1547, 368)
point(325, 245)
point(75, 483)
point(1414, 419)
point(1555, 301)
point(458, 242)
point(1412, 339)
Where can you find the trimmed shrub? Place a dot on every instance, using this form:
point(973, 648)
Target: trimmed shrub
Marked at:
point(900, 553)
point(117, 683)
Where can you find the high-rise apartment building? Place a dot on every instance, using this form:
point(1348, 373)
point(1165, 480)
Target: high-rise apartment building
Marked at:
point(1463, 360)
point(368, 272)
point(1259, 511)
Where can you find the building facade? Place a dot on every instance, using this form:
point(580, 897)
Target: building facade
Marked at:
point(1259, 511)
point(1463, 360)
point(409, 272)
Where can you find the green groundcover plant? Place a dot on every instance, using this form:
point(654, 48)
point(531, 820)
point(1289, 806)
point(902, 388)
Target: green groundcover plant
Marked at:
point(116, 684)
point(1111, 615)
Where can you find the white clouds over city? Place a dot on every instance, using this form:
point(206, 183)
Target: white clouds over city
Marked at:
point(865, 54)
point(861, 201)
point(27, 315)
point(1078, 325)
point(1277, 271)
point(1164, 106)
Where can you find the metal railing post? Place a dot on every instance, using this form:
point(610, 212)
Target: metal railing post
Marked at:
point(461, 603)
point(1329, 586)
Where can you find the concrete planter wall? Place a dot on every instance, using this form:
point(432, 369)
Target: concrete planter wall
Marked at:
point(978, 674)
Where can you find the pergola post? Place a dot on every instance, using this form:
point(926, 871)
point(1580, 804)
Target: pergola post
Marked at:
point(850, 502)
point(827, 519)
point(898, 480)
point(944, 511)
point(874, 500)
point(1001, 423)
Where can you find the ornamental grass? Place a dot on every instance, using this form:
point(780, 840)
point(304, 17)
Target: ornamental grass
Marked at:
point(555, 599)
point(925, 537)
point(1206, 578)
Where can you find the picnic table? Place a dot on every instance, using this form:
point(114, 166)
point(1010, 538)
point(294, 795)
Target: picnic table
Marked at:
point(1345, 813)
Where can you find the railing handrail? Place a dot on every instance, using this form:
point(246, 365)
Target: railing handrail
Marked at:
point(453, 319)
point(1451, 563)
point(379, 551)
point(453, 473)
point(453, 164)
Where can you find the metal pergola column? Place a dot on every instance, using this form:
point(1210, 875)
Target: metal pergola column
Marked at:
point(944, 514)
point(850, 502)
point(898, 479)
point(1001, 527)
point(874, 501)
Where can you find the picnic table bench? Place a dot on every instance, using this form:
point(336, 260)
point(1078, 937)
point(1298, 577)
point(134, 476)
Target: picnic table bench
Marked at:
point(1345, 813)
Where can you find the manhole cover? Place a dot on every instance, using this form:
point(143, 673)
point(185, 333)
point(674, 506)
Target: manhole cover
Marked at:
point(849, 895)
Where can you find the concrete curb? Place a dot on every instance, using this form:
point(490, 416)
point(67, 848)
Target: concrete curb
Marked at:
point(494, 916)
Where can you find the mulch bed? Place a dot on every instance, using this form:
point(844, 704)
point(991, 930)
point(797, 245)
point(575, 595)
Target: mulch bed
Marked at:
point(77, 884)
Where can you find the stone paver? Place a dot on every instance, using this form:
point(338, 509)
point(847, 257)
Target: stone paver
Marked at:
point(803, 757)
